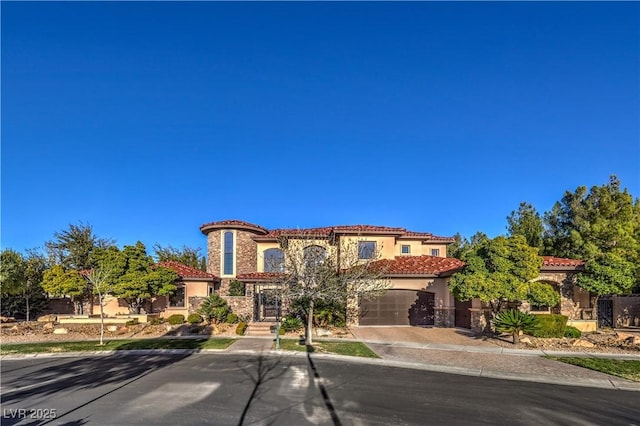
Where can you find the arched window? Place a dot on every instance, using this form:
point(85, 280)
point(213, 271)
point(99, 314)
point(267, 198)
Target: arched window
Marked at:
point(228, 253)
point(273, 260)
point(314, 255)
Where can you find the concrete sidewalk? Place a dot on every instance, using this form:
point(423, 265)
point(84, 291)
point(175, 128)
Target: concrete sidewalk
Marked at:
point(479, 361)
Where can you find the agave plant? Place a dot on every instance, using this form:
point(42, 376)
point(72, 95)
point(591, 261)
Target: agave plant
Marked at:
point(514, 322)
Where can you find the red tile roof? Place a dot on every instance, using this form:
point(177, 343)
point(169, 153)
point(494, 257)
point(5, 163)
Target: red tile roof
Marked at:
point(368, 229)
point(418, 265)
point(259, 276)
point(325, 232)
point(233, 223)
point(186, 271)
point(560, 261)
point(306, 232)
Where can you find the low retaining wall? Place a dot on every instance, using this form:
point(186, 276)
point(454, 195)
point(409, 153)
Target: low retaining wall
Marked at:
point(586, 326)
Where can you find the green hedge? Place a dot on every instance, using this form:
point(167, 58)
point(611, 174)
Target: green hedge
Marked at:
point(572, 332)
point(176, 319)
point(550, 325)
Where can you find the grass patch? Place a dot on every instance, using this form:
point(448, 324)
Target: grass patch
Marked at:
point(339, 348)
point(627, 369)
point(116, 345)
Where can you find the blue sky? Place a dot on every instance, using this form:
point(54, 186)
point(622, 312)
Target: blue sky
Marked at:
point(149, 119)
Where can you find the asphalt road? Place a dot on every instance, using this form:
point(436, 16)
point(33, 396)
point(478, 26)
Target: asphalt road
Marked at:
point(264, 390)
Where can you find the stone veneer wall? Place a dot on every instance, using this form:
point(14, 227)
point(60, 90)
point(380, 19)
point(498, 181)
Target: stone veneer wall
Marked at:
point(566, 282)
point(213, 252)
point(246, 255)
point(444, 317)
point(241, 306)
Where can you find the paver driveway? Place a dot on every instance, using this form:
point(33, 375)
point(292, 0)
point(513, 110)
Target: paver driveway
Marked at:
point(422, 335)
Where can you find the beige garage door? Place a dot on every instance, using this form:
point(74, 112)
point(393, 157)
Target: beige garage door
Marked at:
point(398, 307)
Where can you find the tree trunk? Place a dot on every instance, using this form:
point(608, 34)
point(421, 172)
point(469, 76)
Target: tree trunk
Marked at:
point(309, 339)
point(594, 306)
point(26, 299)
point(516, 337)
point(77, 306)
point(101, 319)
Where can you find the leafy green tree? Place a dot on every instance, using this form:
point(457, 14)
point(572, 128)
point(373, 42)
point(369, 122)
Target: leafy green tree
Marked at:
point(526, 221)
point(543, 294)
point(12, 271)
point(133, 275)
point(187, 255)
point(498, 271)
point(602, 227)
point(60, 282)
point(461, 246)
point(21, 277)
point(72, 248)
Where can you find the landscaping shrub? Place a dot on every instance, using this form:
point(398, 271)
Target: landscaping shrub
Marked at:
point(291, 324)
point(572, 332)
point(514, 322)
point(232, 319)
point(176, 319)
point(156, 321)
point(215, 309)
point(194, 319)
point(131, 322)
point(550, 325)
point(236, 288)
point(241, 328)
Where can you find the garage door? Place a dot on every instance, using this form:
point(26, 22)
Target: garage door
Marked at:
point(398, 307)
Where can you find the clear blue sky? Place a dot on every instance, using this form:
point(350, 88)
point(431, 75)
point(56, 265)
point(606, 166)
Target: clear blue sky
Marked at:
point(149, 119)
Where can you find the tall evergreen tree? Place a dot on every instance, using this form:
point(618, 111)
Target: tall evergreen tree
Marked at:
point(526, 221)
point(186, 255)
point(602, 227)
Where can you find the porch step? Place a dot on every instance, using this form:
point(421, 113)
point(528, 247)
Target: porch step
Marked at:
point(263, 328)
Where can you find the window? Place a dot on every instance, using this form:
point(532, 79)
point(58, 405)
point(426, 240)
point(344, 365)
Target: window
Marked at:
point(210, 291)
point(176, 300)
point(406, 249)
point(314, 255)
point(273, 260)
point(366, 249)
point(228, 253)
point(435, 252)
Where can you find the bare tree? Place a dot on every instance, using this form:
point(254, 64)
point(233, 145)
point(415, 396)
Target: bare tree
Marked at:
point(101, 284)
point(317, 269)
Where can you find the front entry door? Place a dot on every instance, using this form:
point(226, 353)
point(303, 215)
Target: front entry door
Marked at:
point(269, 304)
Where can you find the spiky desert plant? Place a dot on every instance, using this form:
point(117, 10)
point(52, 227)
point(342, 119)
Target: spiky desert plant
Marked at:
point(513, 322)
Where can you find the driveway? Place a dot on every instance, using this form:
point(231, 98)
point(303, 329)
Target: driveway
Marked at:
point(421, 335)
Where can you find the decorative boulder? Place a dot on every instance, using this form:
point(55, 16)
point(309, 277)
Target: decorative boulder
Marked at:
point(48, 318)
point(60, 331)
point(583, 343)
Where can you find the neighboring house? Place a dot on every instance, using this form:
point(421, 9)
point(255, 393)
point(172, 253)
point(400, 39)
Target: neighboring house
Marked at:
point(192, 287)
point(415, 263)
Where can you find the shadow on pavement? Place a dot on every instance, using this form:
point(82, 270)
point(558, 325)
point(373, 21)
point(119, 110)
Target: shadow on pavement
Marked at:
point(262, 370)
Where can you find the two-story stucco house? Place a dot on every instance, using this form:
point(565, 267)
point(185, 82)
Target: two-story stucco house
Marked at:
point(415, 264)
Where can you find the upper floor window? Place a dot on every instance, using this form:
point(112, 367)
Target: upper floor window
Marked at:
point(314, 255)
point(405, 249)
point(228, 253)
point(435, 252)
point(366, 249)
point(273, 260)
